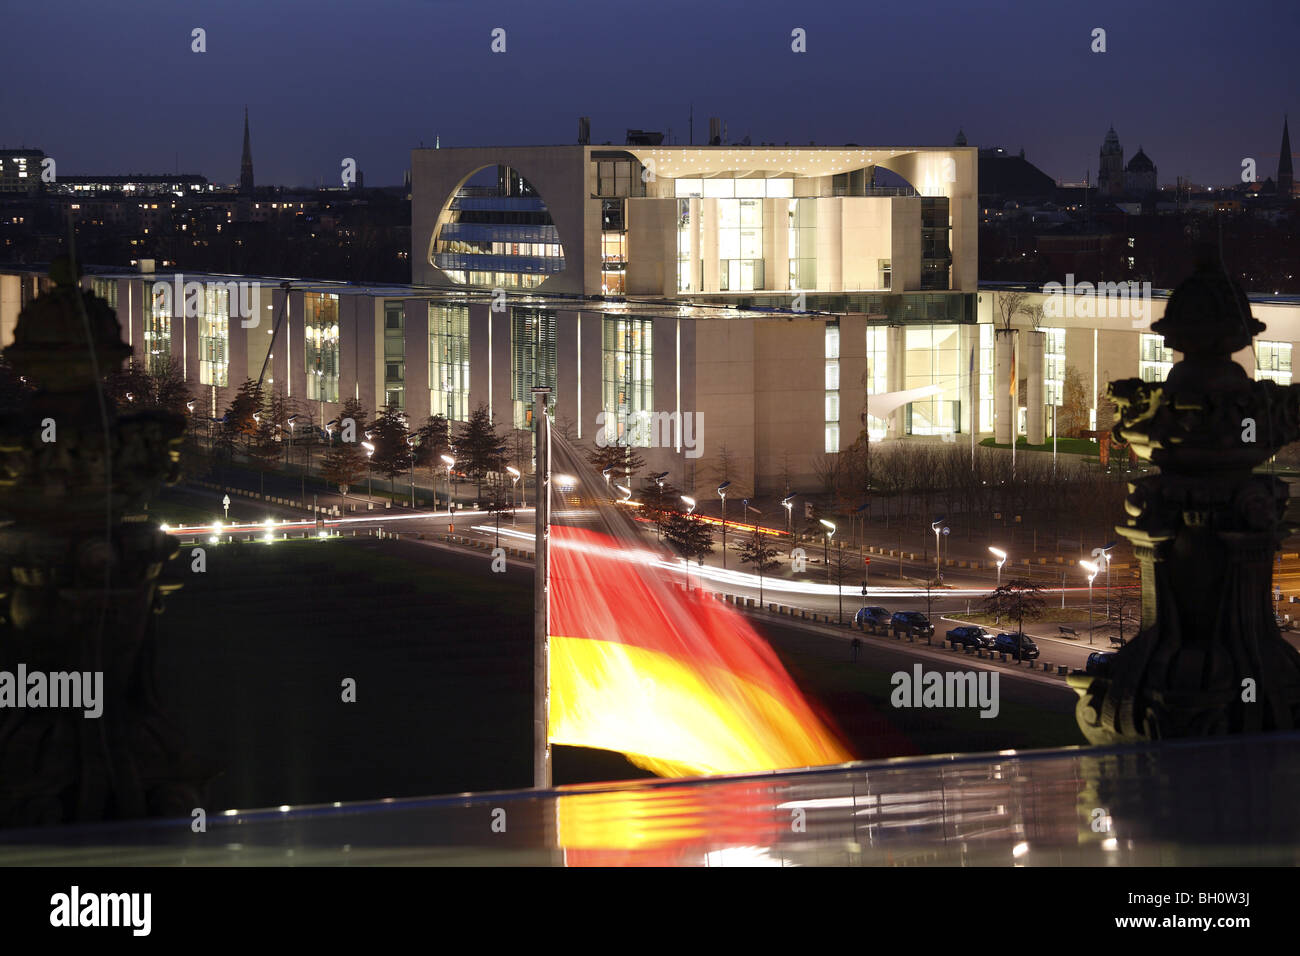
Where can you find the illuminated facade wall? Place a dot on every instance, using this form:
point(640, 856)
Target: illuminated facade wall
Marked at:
point(532, 360)
point(627, 377)
point(214, 338)
point(449, 361)
point(321, 348)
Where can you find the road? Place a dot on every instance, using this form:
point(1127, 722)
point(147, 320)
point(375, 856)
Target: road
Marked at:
point(806, 590)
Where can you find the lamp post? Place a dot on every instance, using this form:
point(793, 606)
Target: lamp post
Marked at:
point(658, 479)
point(370, 450)
point(722, 493)
point(605, 472)
point(1002, 559)
point(788, 504)
point(686, 559)
point(514, 492)
point(826, 552)
point(1104, 554)
point(293, 422)
point(450, 463)
point(410, 443)
point(938, 527)
point(1092, 570)
point(541, 596)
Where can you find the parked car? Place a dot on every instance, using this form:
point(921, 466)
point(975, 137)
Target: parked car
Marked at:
point(873, 619)
point(971, 635)
point(912, 623)
point(1099, 662)
point(1022, 649)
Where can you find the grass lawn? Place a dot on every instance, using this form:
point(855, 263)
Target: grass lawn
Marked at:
point(1051, 615)
point(252, 654)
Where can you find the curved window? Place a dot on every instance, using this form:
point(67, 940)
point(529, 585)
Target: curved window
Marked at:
point(497, 233)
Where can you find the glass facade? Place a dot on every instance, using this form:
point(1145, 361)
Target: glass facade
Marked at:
point(985, 360)
point(449, 361)
point(532, 359)
point(877, 374)
point(686, 258)
point(802, 215)
point(1273, 362)
point(740, 244)
point(934, 357)
point(721, 188)
point(157, 330)
point(214, 337)
point(321, 346)
point(627, 378)
point(1154, 360)
point(832, 382)
point(106, 289)
point(395, 354)
point(613, 247)
point(1053, 365)
point(936, 255)
point(498, 236)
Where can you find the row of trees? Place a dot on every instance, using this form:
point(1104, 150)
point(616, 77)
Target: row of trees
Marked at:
point(910, 483)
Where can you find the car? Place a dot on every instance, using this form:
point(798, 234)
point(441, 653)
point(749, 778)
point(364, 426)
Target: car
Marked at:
point(1019, 646)
point(912, 623)
point(872, 619)
point(1099, 662)
point(971, 635)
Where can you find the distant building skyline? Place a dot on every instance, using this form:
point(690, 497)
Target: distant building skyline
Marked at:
point(1024, 76)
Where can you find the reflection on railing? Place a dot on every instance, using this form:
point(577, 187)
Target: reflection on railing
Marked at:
point(1204, 802)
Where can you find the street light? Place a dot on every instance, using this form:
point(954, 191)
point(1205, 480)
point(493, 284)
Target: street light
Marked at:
point(658, 478)
point(605, 472)
point(370, 450)
point(514, 483)
point(627, 492)
point(722, 493)
point(788, 504)
point(1002, 559)
point(826, 551)
point(690, 504)
point(938, 528)
point(450, 463)
point(1092, 570)
point(1104, 553)
point(826, 544)
point(410, 443)
point(293, 422)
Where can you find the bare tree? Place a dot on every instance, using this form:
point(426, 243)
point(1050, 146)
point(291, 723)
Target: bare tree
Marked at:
point(1009, 305)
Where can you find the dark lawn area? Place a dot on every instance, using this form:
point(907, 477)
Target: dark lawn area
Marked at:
point(253, 654)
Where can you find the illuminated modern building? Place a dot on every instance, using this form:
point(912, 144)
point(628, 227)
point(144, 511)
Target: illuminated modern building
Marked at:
point(771, 390)
point(674, 221)
point(778, 299)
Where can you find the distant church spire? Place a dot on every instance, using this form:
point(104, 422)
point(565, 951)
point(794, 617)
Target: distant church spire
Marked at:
point(1285, 179)
point(246, 164)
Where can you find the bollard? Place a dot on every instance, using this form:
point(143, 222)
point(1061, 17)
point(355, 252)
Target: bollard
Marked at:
point(1062, 670)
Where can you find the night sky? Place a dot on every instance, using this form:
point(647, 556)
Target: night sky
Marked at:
point(113, 87)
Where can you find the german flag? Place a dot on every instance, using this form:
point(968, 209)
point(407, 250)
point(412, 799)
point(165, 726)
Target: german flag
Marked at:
point(678, 682)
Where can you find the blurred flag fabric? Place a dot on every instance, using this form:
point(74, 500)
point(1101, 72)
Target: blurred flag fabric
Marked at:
point(678, 682)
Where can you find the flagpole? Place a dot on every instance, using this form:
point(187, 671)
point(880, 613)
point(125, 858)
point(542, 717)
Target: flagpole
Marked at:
point(541, 596)
point(1015, 409)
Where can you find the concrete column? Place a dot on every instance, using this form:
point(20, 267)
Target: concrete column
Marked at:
point(1031, 354)
point(896, 377)
point(709, 244)
point(1004, 344)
